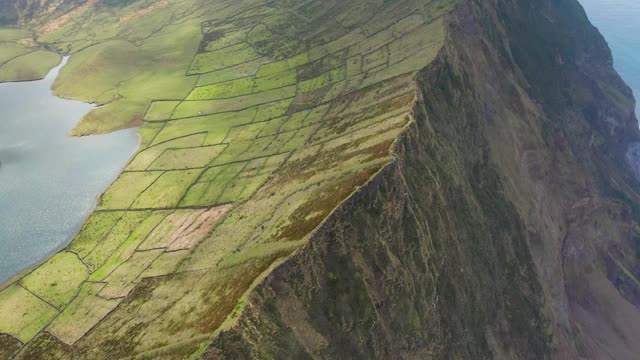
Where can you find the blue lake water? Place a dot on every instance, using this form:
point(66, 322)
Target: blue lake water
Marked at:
point(48, 181)
point(619, 22)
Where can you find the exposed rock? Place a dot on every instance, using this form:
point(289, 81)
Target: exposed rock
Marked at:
point(503, 230)
point(506, 225)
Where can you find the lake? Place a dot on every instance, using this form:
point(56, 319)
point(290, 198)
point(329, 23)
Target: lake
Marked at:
point(619, 22)
point(49, 181)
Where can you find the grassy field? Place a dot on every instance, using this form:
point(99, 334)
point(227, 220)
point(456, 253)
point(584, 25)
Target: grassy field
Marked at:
point(21, 58)
point(258, 119)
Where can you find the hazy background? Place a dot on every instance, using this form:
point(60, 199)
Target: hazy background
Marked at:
point(619, 22)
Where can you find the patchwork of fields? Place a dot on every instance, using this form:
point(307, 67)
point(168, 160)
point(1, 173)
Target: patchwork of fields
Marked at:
point(283, 111)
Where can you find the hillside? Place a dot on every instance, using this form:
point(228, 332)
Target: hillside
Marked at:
point(331, 179)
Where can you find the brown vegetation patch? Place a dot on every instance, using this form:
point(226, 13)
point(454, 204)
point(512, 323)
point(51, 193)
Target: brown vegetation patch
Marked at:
point(8, 346)
point(199, 228)
point(82, 316)
point(303, 169)
point(308, 100)
point(309, 215)
point(28, 42)
point(170, 228)
point(56, 349)
point(184, 228)
point(122, 280)
point(148, 9)
point(208, 38)
point(357, 112)
point(376, 151)
point(318, 67)
point(229, 287)
point(64, 19)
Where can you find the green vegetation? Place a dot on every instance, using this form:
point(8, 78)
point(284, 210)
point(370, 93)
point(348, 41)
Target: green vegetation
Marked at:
point(57, 280)
point(127, 248)
point(13, 34)
point(129, 77)
point(107, 247)
point(126, 188)
point(28, 65)
point(228, 89)
point(223, 58)
point(165, 264)
point(160, 110)
point(167, 191)
point(123, 56)
point(81, 314)
point(124, 277)
point(234, 72)
point(197, 157)
point(12, 51)
point(94, 230)
point(248, 144)
point(205, 107)
point(23, 314)
point(21, 58)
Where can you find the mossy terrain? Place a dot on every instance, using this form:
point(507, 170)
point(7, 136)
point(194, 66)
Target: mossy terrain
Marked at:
point(258, 120)
point(507, 227)
point(343, 179)
point(124, 54)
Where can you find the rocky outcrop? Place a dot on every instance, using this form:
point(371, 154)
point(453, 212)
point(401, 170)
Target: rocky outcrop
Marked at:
point(506, 227)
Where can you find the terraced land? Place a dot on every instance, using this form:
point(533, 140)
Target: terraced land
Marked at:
point(289, 107)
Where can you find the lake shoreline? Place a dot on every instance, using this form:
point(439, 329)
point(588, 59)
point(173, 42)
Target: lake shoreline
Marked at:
point(617, 21)
point(98, 158)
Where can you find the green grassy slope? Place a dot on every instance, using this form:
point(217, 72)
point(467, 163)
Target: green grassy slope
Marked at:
point(123, 55)
point(21, 58)
point(258, 119)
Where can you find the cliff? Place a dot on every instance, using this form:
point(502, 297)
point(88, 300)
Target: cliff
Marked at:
point(416, 180)
point(505, 228)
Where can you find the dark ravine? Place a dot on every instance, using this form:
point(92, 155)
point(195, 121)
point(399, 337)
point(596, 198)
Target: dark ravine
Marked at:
point(507, 226)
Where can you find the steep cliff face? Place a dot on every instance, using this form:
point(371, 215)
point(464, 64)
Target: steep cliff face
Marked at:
point(506, 227)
